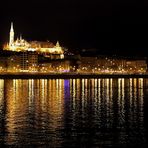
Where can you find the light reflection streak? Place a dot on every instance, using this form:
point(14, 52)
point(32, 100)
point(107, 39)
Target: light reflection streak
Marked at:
point(130, 91)
point(111, 89)
point(1, 90)
point(95, 90)
point(140, 102)
point(108, 111)
point(121, 102)
point(1, 96)
point(31, 91)
point(83, 94)
point(73, 93)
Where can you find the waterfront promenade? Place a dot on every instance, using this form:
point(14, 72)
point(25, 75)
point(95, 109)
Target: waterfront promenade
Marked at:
point(68, 75)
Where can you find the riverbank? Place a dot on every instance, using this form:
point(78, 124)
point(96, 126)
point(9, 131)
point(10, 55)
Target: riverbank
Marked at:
point(67, 75)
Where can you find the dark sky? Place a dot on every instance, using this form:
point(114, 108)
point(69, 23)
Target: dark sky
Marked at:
point(113, 26)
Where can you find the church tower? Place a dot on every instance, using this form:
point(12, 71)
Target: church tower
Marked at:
point(11, 37)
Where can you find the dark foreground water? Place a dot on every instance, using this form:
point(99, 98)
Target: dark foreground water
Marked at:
point(74, 113)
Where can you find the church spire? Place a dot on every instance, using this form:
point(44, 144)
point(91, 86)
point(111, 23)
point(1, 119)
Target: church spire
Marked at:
point(11, 30)
point(11, 37)
point(57, 44)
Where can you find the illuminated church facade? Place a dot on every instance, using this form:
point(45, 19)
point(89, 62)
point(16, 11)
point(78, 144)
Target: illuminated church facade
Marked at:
point(21, 45)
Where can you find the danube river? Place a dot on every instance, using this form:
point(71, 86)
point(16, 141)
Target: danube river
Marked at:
point(74, 112)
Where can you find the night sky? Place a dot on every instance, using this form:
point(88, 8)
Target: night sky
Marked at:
point(110, 26)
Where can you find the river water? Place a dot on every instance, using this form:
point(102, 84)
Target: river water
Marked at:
point(74, 112)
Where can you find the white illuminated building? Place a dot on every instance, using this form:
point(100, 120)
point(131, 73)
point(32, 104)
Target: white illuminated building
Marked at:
point(41, 47)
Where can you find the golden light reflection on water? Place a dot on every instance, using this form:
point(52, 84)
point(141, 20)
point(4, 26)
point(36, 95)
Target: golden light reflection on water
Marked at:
point(101, 95)
point(29, 100)
point(43, 105)
point(1, 96)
